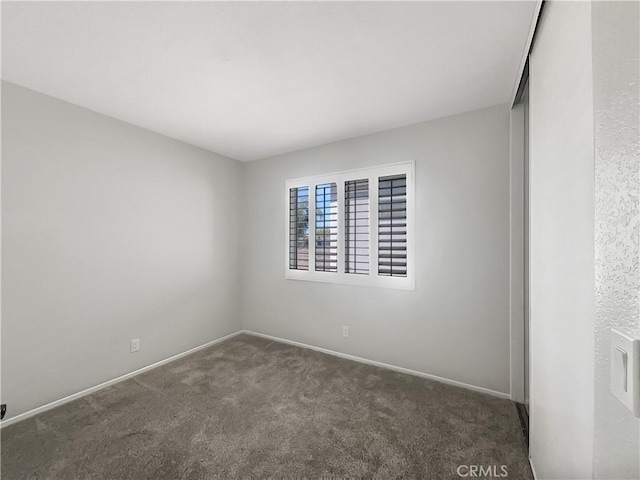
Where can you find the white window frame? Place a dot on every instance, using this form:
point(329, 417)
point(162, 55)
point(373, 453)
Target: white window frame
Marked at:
point(372, 279)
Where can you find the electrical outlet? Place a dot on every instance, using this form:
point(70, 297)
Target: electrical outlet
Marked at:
point(345, 331)
point(135, 345)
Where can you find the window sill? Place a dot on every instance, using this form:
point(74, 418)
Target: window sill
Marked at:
point(396, 283)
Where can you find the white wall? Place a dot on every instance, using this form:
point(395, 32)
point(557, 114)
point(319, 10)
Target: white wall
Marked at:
point(456, 322)
point(110, 232)
point(616, 80)
point(561, 243)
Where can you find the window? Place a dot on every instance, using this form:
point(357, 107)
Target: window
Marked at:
point(356, 221)
point(326, 228)
point(392, 226)
point(359, 230)
point(299, 228)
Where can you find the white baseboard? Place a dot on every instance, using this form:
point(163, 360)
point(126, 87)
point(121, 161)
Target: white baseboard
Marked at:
point(108, 383)
point(533, 470)
point(88, 391)
point(383, 365)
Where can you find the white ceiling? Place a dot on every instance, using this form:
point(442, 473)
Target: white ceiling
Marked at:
point(251, 80)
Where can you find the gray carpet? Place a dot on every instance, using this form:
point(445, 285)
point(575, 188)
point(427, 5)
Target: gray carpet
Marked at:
point(250, 407)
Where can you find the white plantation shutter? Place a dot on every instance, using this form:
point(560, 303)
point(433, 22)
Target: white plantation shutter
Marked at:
point(326, 228)
point(353, 227)
point(392, 225)
point(356, 219)
point(299, 228)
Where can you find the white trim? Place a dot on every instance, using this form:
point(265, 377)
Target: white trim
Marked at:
point(533, 470)
point(312, 221)
point(340, 277)
point(525, 52)
point(382, 365)
point(90, 390)
point(373, 226)
point(516, 254)
point(340, 230)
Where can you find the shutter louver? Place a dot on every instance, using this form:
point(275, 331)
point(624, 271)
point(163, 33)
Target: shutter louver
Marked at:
point(392, 226)
point(299, 228)
point(356, 205)
point(326, 228)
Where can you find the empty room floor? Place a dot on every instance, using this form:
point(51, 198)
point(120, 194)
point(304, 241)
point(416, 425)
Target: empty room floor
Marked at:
point(251, 407)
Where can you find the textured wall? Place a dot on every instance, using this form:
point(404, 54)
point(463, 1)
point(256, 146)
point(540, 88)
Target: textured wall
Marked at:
point(616, 82)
